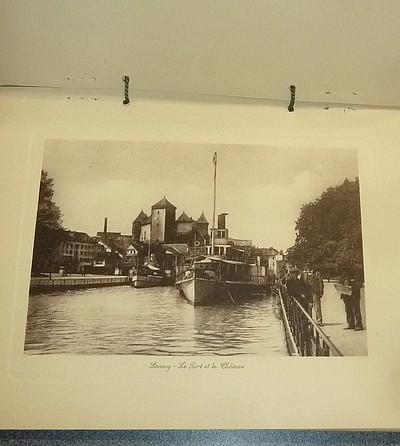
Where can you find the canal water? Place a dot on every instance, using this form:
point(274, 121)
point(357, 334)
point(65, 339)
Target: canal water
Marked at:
point(152, 321)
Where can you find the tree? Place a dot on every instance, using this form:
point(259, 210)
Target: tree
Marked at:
point(328, 231)
point(49, 231)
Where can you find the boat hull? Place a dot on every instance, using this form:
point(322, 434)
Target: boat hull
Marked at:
point(241, 290)
point(200, 291)
point(139, 281)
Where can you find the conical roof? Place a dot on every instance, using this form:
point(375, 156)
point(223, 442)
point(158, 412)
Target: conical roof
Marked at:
point(163, 204)
point(202, 219)
point(184, 218)
point(142, 216)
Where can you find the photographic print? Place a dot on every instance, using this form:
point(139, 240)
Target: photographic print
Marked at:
point(173, 249)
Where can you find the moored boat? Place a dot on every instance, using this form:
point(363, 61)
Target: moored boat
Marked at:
point(224, 272)
point(198, 282)
point(212, 280)
point(148, 276)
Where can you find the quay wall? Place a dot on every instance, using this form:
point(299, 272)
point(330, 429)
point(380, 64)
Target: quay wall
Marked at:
point(40, 284)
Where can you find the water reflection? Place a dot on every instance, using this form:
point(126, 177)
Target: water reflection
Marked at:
point(158, 321)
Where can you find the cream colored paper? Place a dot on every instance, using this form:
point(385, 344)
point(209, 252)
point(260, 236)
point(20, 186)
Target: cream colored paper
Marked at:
point(123, 392)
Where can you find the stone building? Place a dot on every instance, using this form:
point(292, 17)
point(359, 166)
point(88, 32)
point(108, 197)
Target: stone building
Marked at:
point(145, 230)
point(163, 227)
point(137, 225)
point(184, 224)
point(158, 227)
point(270, 257)
point(78, 250)
point(202, 226)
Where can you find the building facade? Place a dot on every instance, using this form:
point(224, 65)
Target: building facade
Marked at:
point(79, 250)
point(145, 230)
point(162, 227)
point(137, 225)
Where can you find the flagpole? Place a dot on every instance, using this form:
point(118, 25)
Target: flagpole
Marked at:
point(215, 200)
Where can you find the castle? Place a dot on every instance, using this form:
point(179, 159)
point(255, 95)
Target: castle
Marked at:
point(161, 226)
point(182, 235)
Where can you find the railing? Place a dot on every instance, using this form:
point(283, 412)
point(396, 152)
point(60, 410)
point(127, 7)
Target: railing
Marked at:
point(305, 337)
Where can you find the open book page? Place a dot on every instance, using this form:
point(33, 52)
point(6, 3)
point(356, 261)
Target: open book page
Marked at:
point(210, 334)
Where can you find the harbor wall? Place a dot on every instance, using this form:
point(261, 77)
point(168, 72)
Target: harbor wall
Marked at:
point(40, 285)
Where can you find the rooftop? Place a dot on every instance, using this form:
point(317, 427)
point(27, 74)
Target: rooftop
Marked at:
point(202, 218)
point(142, 216)
point(184, 218)
point(163, 204)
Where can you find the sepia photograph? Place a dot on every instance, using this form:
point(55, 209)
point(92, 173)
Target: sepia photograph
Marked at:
point(173, 249)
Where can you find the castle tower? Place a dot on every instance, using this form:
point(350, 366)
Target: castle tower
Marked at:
point(202, 225)
point(137, 224)
point(184, 224)
point(163, 227)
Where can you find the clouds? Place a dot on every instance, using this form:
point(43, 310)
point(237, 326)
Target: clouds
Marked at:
point(262, 188)
point(272, 209)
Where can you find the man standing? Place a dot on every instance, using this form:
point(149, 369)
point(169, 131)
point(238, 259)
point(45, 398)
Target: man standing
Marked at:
point(316, 286)
point(307, 289)
point(352, 302)
point(295, 287)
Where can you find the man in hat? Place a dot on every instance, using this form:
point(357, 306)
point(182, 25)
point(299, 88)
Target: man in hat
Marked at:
point(295, 287)
point(352, 301)
point(314, 284)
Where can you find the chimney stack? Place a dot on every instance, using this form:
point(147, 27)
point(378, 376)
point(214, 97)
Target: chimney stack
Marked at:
point(221, 221)
point(105, 228)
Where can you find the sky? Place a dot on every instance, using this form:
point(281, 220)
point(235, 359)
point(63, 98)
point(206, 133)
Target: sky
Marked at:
point(262, 188)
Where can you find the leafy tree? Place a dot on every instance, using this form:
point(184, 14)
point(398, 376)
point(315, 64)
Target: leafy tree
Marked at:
point(49, 231)
point(328, 231)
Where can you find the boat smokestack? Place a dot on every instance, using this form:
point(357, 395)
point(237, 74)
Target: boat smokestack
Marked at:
point(221, 221)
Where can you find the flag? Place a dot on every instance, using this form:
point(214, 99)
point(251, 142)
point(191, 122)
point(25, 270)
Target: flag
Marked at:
point(215, 158)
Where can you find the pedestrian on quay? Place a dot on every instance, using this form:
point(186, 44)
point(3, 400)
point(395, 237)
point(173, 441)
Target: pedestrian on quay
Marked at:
point(295, 287)
point(314, 286)
point(352, 301)
point(307, 289)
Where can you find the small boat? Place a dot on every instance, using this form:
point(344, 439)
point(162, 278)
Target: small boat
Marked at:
point(148, 276)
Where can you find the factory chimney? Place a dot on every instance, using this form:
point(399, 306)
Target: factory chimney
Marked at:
point(105, 229)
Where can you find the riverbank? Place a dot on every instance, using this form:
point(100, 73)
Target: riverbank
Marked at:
point(58, 282)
